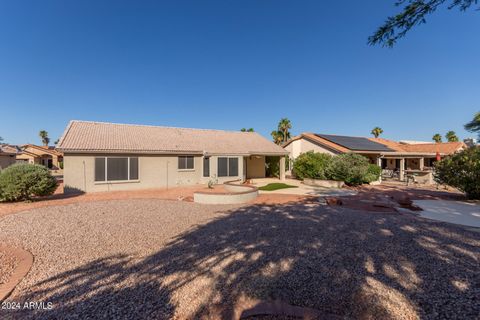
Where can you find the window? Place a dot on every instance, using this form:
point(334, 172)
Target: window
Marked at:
point(116, 169)
point(227, 167)
point(206, 166)
point(185, 163)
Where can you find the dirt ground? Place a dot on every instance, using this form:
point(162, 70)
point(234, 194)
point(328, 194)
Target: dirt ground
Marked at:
point(184, 193)
point(151, 258)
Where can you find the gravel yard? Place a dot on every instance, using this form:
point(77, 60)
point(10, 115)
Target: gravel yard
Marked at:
point(8, 263)
point(173, 259)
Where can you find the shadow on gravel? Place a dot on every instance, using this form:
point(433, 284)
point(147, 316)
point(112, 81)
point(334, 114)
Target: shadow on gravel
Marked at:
point(339, 261)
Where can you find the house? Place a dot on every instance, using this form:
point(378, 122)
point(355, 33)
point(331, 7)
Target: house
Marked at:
point(107, 156)
point(415, 157)
point(7, 156)
point(47, 156)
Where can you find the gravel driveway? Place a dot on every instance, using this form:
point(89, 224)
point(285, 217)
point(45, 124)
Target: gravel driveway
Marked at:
point(167, 259)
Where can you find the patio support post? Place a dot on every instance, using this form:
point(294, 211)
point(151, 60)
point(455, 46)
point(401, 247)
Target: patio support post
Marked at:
point(379, 163)
point(421, 163)
point(402, 169)
point(282, 168)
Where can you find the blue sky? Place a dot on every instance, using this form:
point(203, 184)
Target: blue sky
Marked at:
point(232, 64)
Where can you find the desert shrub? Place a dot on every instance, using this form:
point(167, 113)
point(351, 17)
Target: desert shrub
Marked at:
point(461, 171)
point(351, 168)
point(23, 181)
point(312, 165)
point(373, 173)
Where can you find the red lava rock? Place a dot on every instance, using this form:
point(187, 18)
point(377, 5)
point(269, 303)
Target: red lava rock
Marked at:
point(334, 201)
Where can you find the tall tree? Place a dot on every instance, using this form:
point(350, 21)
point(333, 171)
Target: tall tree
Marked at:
point(377, 131)
point(474, 125)
point(451, 136)
point(44, 136)
point(437, 138)
point(414, 13)
point(284, 126)
point(277, 136)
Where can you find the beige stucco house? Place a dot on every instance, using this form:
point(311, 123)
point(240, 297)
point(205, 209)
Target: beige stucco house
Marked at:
point(47, 156)
point(415, 158)
point(106, 156)
point(7, 156)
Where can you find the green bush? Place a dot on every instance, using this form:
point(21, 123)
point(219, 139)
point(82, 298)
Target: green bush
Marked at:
point(272, 166)
point(352, 168)
point(461, 171)
point(23, 181)
point(373, 173)
point(312, 165)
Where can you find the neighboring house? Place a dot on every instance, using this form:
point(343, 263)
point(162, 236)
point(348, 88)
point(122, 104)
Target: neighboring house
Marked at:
point(404, 157)
point(47, 156)
point(7, 156)
point(105, 156)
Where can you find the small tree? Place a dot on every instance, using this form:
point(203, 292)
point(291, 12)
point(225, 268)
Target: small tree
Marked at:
point(349, 167)
point(451, 136)
point(313, 165)
point(377, 131)
point(437, 138)
point(461, 171)
point(277, 136)
point(247, 130)
point(23, 181)
point(44, 136)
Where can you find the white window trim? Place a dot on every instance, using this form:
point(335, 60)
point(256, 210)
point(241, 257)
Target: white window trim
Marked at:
point(186, 170)
point(106, 181)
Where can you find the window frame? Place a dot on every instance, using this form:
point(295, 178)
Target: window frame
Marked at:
point(205, 158)
point(228, 167)
point(186, 163)
point(106, 170)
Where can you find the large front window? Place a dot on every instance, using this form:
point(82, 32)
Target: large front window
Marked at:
point(116, 169)
point(227, 167)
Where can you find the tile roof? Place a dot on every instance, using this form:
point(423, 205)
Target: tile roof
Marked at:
point(9, 150)
point(86, 136)
point(423, 148)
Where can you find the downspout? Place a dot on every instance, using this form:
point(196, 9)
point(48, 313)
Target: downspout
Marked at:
point(84, 177)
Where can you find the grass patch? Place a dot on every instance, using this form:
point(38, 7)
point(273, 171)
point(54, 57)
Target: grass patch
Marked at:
point(276, 186)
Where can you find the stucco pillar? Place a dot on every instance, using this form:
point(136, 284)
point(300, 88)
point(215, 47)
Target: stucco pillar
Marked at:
point(402, 169)
point(379, 163)
point(282, 168)
point(421, 163)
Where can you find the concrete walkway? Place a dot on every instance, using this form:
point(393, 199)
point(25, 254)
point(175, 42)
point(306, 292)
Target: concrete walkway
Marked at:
point(301, 189)
point(458, 212)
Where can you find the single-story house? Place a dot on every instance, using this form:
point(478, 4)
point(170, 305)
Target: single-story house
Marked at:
point(106, 156)
point(44, 155)
point(404, 157)
point(7, 156)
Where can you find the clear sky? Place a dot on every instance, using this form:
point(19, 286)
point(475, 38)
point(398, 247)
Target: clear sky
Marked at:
point(231, 64)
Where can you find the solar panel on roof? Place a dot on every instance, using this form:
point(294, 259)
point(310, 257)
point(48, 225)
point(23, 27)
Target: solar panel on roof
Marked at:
point(355, 143)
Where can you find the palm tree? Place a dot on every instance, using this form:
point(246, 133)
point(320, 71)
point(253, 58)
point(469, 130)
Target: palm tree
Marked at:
point(474, 125)
point(376, 131)
point(277, 136)
point(284, 126)
point(451, 136)
point(44, 136)
point(437, 138)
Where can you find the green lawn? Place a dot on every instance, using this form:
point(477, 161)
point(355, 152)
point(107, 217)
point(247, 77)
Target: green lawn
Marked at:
point(276, 186)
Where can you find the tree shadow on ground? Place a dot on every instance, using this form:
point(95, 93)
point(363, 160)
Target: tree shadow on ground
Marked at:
point(340, 261)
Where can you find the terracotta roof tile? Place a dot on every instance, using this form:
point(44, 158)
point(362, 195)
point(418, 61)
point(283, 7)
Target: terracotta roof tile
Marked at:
point(84, 136)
